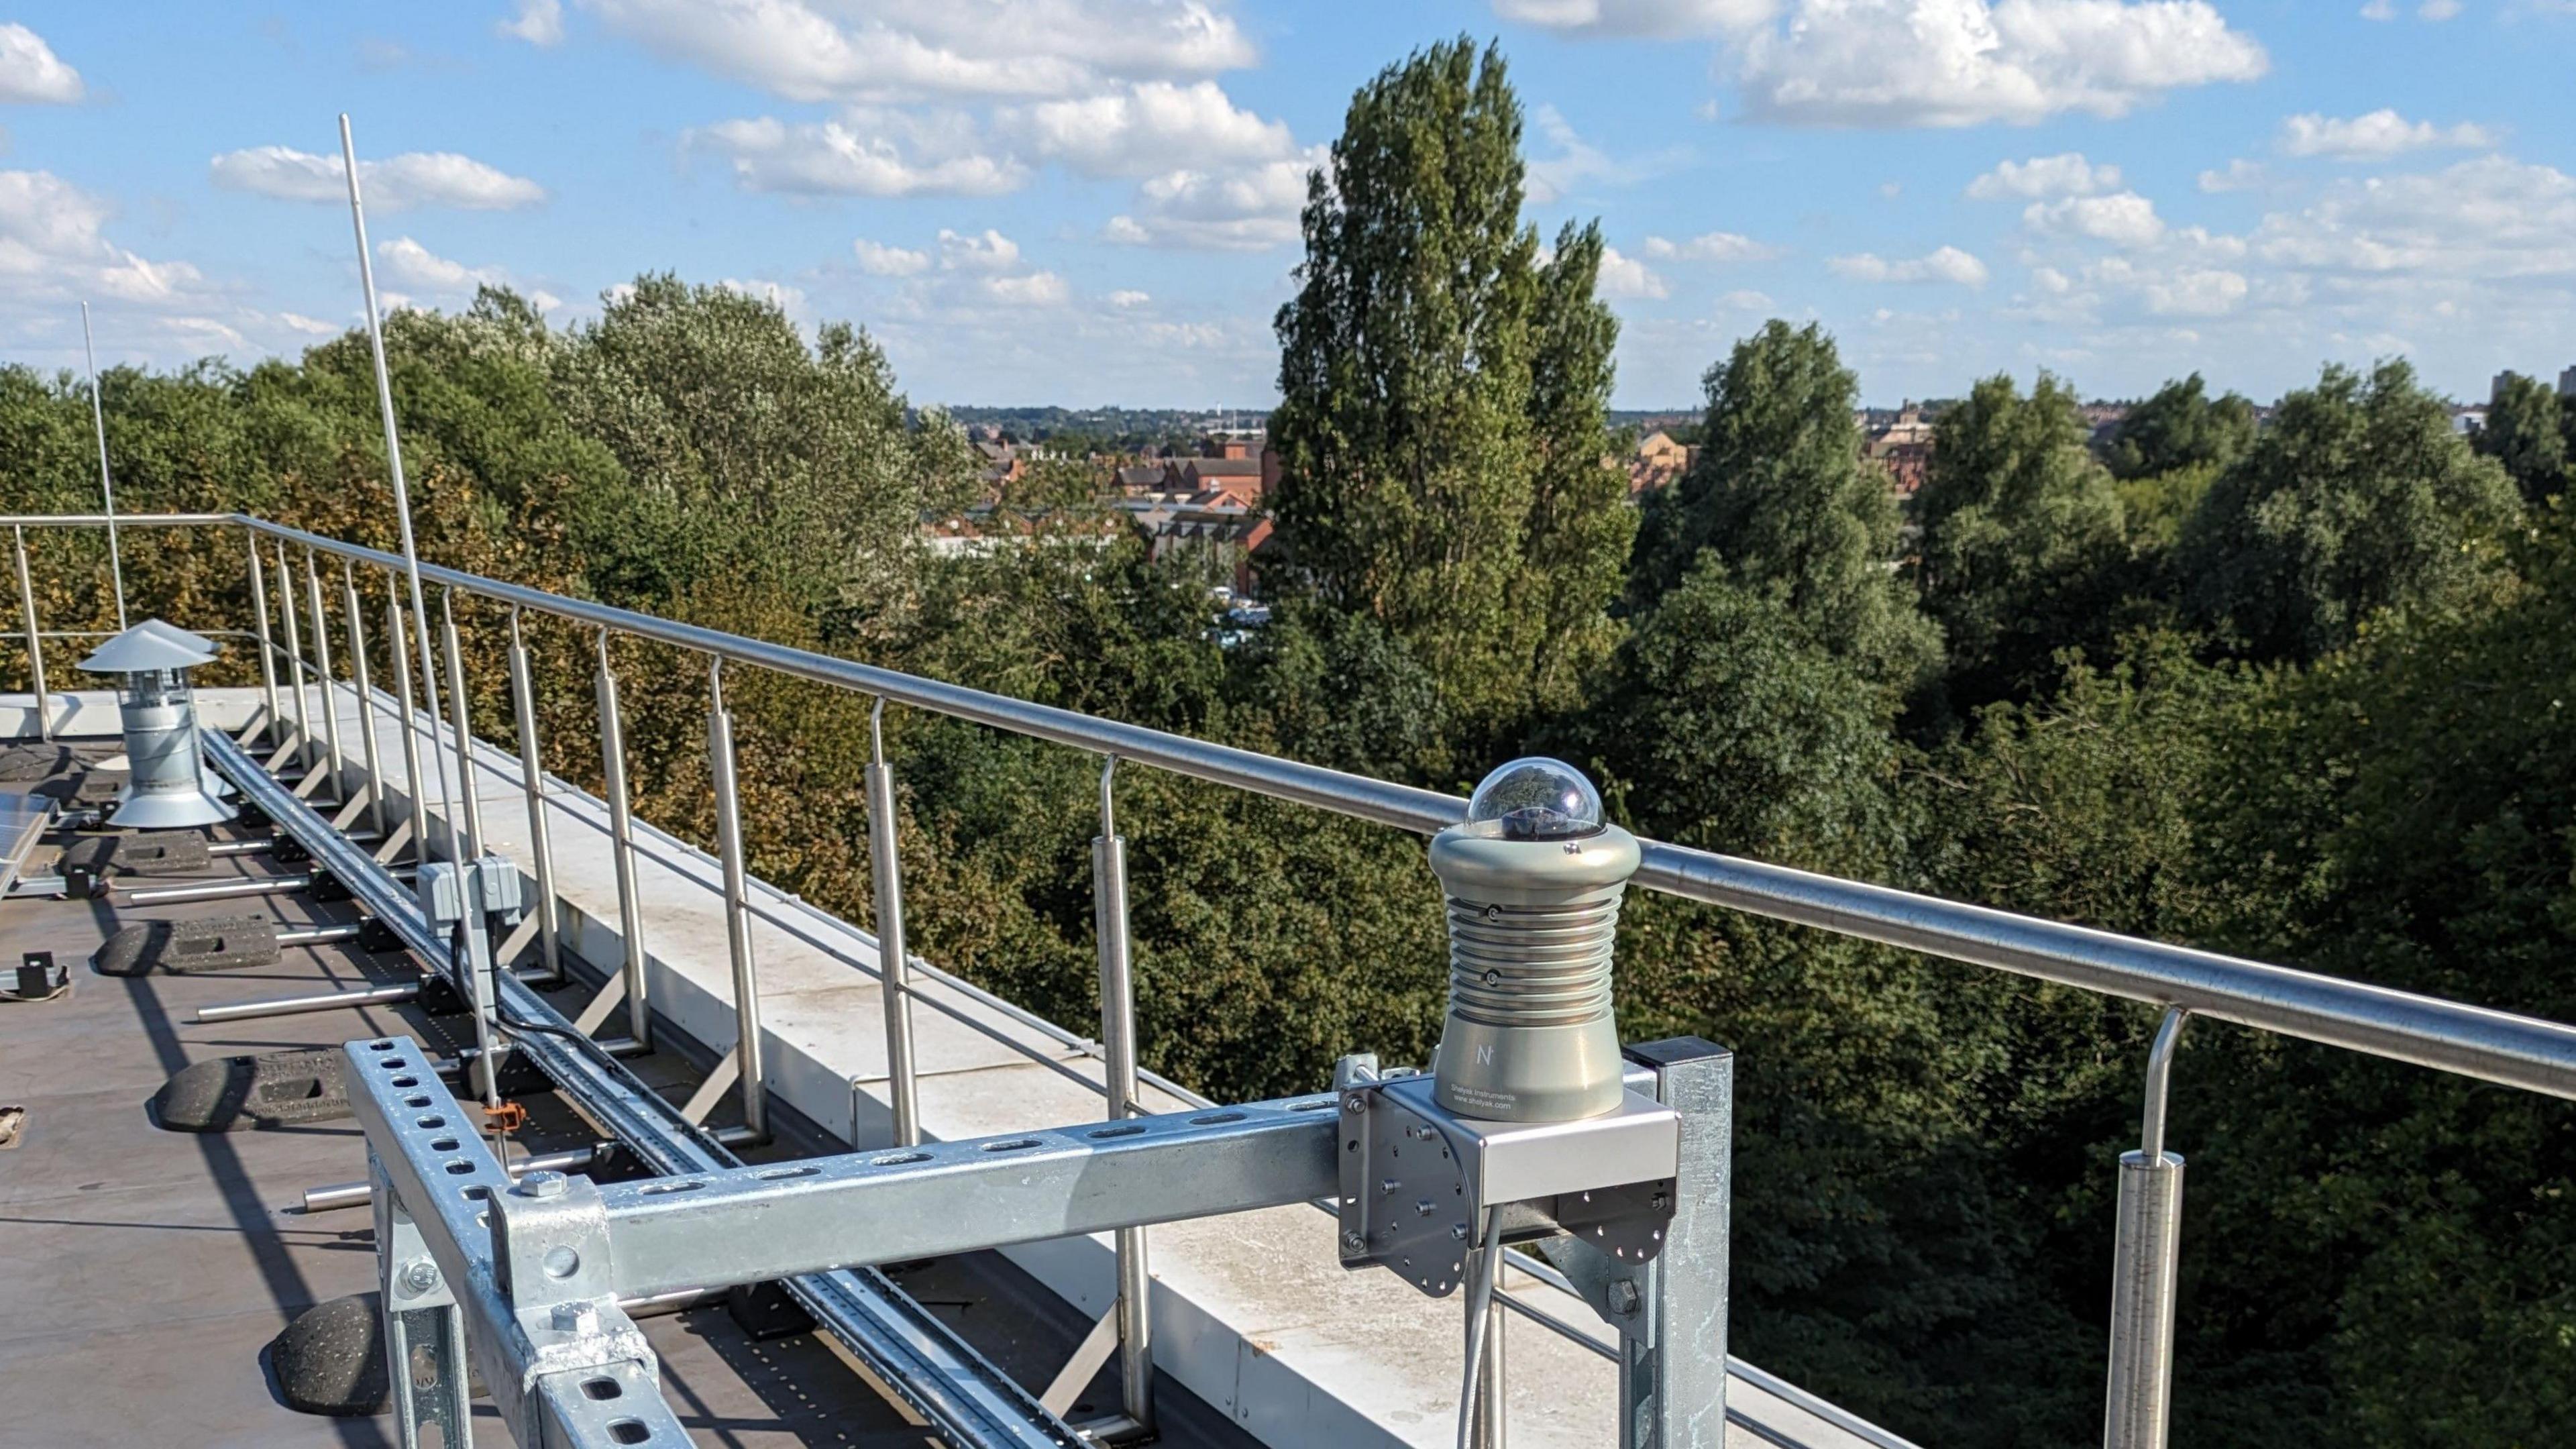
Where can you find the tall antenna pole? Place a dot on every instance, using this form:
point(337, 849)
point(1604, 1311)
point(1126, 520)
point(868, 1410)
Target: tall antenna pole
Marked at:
point(106, 485)
point(460, 972)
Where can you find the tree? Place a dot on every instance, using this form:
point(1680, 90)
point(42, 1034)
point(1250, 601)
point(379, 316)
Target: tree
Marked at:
point(2023, 544)
point(2179, 428)
point(1780, 493)
point(1438, 437)
point(2359, 498)
point(2527, 432)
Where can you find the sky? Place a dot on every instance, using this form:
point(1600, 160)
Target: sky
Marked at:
point(1084, 202)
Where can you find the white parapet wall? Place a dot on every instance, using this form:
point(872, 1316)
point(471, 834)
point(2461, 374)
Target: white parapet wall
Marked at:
point(1252, 1312)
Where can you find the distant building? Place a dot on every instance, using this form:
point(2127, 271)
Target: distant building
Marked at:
point(2567, 383)
point(2467, 419)
point(1904, 448)
point(1658, 462)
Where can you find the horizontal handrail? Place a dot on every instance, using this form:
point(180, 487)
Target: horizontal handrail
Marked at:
point(2495, 1046)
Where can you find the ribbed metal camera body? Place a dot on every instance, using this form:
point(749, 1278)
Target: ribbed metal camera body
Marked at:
point(1533, 881)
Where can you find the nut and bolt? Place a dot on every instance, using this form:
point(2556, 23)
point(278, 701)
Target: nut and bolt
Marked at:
point(578, 1317)
point(543, 1184)
point(419, 1276)
point(1623, 1297)
point(1352, 1242)
point(1355, 1104)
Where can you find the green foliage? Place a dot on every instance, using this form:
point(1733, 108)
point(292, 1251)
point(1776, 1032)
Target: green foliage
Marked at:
point(2178, 428)
point(1441, 425)
point(1780, 494)
point(2527, 431)
point(2358, 499)
point(2024, 547)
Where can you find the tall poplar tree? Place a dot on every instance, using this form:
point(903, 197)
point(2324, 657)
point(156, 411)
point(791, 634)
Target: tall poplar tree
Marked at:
point(1442, 421)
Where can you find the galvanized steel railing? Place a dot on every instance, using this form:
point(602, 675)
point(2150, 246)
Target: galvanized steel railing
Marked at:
point(2494, 1046)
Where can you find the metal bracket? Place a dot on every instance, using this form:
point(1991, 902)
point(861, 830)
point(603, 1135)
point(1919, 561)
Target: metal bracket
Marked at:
point(1417, 1181)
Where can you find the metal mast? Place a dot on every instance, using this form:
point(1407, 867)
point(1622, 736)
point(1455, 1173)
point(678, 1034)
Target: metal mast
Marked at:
point(106, 485)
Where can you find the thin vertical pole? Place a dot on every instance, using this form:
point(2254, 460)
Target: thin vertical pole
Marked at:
point(2146, 1268)
point(746, 976)
point(35, 644)
point(359, 675)
point(621, 839)
point(295, 664)
point(399, 651)
point(1118, 1037)
point(411, 558)
point(106, 484)
point(322, 664)
point(894, 965)
point(532, 776)
point(1492, 1409)
point(463, 723)
point(267, 647)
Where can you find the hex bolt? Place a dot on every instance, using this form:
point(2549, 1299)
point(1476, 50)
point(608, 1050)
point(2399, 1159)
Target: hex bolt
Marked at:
point(1386, 1186)
point(1422, 1207)
point(543, 1184)
point(1623, 1297)
point(576, 1317)
point(1352, 1242)
point(1355, 1104)
point(1458, 1231)
point(419, 1276)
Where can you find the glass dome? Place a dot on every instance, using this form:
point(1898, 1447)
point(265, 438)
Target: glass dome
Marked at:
point(1535, 799)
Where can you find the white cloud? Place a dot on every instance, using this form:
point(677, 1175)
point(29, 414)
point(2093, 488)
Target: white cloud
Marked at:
point(1129, 299)
point(2239, 175)
point(1714, 246)
point(1662, 19)
point(878, 260)
point(867, 153)
point(416, 178)
point(1146, 129)
point(1553, 178)
point(310, 326)
point(879, 50)
point(2126, 219)
point(409, 264)
point(2488, 218)
point(1970, 62)
point(2043, 176)
point(1625, 276)
point(988, 251)
point(1745, 301)
point(2196, 292)
point(55, 251)
point(2438, 9)
point(1948, 264)
point(1248, 210)
point(777, 294)
point(1037, 289)
point(539, 22)
point(30, 73)
point(2379, 134)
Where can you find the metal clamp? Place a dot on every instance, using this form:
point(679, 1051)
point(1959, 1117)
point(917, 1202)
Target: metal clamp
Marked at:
point(1418, 1182)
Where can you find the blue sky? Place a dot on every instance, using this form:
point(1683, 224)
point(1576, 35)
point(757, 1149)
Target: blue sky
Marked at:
point(1089, 201)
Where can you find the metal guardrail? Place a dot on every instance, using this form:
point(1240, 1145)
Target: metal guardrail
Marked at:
point(2494, 1046)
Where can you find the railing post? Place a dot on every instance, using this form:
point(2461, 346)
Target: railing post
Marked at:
point(2146, 1267)
point(1492, 1407)
point(295, 669)
point(35, 644)
point(359, 675)
point(894, 966)
point(322, 663)
point(275, 726)
point(1118, 1040)
point(621, 833)
point(1672, 1385)
point(461, 717)
point(399, 649)
point(532, 774)
point(746, 978)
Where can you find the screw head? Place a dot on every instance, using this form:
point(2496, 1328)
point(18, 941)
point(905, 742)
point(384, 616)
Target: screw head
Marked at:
point(544, 1184)
point(579, 1317)
point(1458, 1231)
point(420, 1275)
point(1623, 1297)
point(1355, 1103)
point(1352, 1242)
